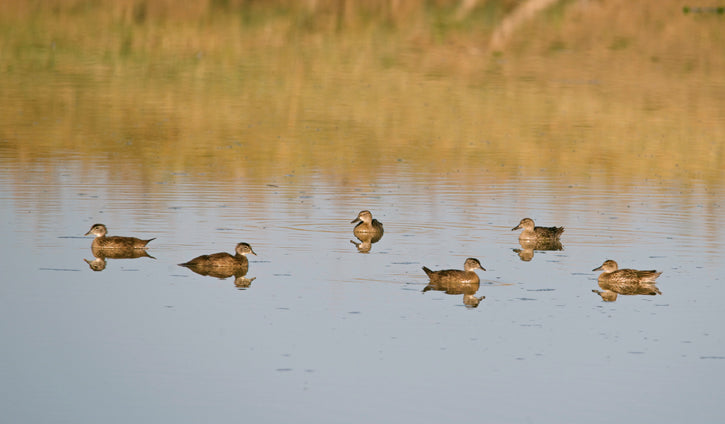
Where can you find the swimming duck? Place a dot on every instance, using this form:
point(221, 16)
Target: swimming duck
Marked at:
point(367, 226)
point(455, 275)
point(114, 242)
point(532, 232)
point(223, 259)
point(613, 276)
point(614, 281)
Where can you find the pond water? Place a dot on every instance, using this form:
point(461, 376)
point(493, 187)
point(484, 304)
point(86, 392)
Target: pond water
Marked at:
point(331, 331)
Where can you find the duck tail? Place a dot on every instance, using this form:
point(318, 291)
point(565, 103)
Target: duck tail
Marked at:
point(427, 271)
point(148, 241)
point(559, 230)
point(650, 276)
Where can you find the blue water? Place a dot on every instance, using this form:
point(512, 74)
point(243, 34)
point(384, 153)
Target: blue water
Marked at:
point(325, 333)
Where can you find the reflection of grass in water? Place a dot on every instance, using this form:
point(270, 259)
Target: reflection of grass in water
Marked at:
point(619, 43)
point(190, 88)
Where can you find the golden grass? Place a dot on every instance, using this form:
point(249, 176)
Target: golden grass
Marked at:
point(633, 89)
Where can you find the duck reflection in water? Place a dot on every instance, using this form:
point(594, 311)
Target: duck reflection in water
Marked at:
point(366, 242)
point(614, 281)
point(368, 231)
point(454, 281)
point(526, 253)
point(224, 265)
point(100, 255)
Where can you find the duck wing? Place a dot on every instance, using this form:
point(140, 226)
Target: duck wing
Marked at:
point(648, 275)
point(548, 232)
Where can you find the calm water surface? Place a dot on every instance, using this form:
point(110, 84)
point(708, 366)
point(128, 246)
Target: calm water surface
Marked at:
point(283, 153)
point(325, 332)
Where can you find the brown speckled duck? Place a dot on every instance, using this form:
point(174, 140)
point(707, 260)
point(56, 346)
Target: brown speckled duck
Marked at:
point(114, 242)
point(456, 275)
point(612, 275)
point(614, 281)
point(367, 227)
point(223, 259)
point(532, 232)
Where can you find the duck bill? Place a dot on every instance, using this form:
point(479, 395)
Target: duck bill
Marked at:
point(516, 227)
point(252, 252)
point(88, 233)
point(597, 269)
point(355, 220)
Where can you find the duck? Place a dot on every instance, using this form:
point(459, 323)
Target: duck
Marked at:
point(613, 276)
point(114, 242)
point(367, 227)
point(223, 259)
point(532, 232)
point(614, 281)
point(448, 276)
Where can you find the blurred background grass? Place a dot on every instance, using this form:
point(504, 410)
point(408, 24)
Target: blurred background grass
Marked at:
point(252, 89)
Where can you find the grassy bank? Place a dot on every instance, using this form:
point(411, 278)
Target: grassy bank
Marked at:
point(634, 89)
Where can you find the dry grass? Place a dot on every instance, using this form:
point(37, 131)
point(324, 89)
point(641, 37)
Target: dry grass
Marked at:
point(635, 89)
